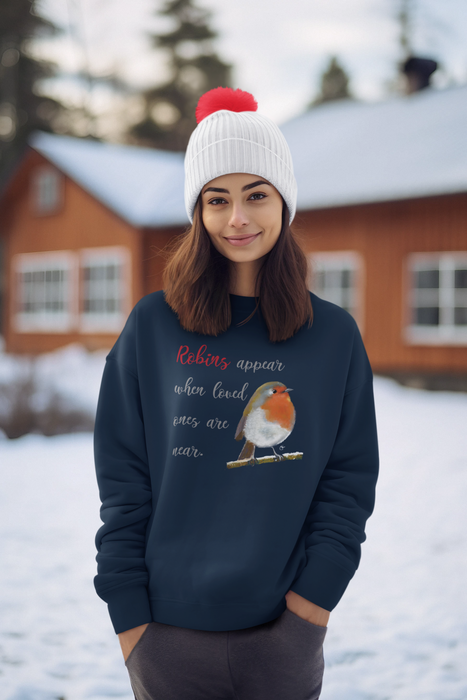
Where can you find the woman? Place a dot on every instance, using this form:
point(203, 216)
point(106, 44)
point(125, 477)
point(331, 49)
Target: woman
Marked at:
point(235, 440)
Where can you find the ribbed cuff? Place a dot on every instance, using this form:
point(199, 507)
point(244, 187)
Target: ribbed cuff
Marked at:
point(128, 607)
point(322, 582)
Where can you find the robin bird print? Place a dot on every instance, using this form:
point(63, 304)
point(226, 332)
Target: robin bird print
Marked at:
point(267, 420)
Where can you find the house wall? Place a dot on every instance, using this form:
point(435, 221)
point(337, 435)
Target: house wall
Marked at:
point(82, 222)
point(385, 233)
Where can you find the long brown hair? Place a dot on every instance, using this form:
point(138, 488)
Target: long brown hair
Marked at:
point(196, 282)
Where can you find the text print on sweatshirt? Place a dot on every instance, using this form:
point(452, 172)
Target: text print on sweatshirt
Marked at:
point(267, 420)
point(231, 469)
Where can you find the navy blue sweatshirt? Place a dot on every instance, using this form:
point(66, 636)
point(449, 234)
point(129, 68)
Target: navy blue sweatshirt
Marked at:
point(231, 469)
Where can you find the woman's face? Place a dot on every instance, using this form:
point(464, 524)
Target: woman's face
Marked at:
point(242, 215)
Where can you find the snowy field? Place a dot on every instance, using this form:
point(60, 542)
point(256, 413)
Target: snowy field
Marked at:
point(399, 632)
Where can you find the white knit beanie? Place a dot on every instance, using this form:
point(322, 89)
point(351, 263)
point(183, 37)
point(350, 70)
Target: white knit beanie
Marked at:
point(232, 138)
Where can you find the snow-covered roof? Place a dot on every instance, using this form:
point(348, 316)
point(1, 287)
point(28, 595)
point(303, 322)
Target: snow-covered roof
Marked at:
point(350, 152)
point(143, 185)
point(345, 152)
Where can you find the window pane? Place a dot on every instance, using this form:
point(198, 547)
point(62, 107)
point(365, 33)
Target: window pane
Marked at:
point(427, 316)
point(47, 188)
point(460, 316)
point(101, 288)
point(111, 272)
point(333, 279)
point(99, 305)
point(43, 291)
point(318, 278)
point(425, 279)
point(346, 279)
point(460, 278)
point(38, 276)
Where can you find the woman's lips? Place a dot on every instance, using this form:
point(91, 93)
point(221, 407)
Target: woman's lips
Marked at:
point(243, 241)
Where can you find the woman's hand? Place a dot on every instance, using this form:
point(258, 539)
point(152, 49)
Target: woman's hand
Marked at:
point(129, 638)
point(306, 609)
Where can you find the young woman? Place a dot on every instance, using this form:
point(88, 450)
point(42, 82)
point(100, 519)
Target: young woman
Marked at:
point(235, 440)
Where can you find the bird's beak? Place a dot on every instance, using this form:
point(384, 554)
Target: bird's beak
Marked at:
point(288, 389)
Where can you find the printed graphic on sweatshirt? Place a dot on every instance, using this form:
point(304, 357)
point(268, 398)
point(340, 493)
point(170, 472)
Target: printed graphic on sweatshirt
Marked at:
point(267, 420)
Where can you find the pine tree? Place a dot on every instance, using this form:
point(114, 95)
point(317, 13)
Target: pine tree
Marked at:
point(195, 67)
point(334, 84)
point(22, 108)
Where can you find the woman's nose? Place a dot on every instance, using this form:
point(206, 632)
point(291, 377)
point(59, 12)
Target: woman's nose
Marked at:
point(238, 217)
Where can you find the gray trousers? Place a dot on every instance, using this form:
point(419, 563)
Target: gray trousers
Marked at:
point(278, 660)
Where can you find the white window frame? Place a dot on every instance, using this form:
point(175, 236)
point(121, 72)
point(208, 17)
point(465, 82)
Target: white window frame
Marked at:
point(45, 321)
point(46, 190)
point(90, 322)
point(337, 260)
point(446, 333)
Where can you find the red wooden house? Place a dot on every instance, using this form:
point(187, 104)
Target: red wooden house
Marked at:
point(78, 221)
point(382, 211)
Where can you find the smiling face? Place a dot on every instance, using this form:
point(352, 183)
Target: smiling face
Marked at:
point(243, 216)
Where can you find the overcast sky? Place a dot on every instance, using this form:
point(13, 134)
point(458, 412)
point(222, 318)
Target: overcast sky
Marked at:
point(278, 47)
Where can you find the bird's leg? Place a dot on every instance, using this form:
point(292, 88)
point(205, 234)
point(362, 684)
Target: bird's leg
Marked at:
point(253, 459)
point(278, 457)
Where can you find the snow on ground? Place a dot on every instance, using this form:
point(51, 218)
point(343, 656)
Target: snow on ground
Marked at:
point(71, 370)
point(399, 632)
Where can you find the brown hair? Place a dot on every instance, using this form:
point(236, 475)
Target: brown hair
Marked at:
point(196, 282)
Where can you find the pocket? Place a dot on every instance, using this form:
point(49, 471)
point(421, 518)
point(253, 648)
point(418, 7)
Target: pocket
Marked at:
point(138, 644)
point(305, 623)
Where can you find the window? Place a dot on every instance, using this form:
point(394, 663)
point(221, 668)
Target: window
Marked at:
point(61, 291)
point(338, 277)
point(43, 298)
point(104, 289)
point(46, 189)
point(437, 298)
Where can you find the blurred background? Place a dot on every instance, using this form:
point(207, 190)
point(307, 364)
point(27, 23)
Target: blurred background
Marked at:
point(97, 103)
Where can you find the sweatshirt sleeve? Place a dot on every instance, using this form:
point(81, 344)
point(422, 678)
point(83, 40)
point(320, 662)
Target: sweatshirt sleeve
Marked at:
point(345, 496)
point(125, 491)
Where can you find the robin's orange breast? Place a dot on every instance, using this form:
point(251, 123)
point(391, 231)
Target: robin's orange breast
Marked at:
point(278, 408)
point(262, 431)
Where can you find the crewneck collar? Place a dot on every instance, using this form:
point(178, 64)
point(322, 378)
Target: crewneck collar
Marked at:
point(240, 303)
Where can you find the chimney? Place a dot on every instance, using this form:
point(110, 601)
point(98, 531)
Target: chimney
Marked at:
point(418, 72)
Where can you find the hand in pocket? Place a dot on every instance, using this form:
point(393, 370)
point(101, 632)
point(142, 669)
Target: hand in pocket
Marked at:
point(306, 609)
point(130, 638)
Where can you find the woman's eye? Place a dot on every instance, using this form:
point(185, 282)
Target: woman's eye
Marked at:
point(255, 196)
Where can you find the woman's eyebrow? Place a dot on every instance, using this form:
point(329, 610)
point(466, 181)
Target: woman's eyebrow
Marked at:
point(254, 184)
point(247, 187)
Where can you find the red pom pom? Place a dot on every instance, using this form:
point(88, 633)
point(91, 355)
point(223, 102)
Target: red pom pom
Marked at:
point(224, 98)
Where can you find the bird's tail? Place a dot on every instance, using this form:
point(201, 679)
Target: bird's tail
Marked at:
point(248, 450)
